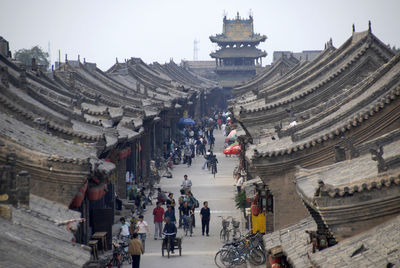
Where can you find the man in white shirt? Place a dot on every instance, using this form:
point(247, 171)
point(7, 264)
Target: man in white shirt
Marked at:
point(142, 228)
point(239, 182)
point(186, 184)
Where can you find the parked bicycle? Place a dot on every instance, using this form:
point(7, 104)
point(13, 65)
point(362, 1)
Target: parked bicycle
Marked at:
point(120, 253)
point(249, 248)
point(226, 232)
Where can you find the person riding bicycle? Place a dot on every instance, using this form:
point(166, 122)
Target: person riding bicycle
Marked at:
point(214, 161)
point(208, 157)
point(169, 230)
point(124, 231)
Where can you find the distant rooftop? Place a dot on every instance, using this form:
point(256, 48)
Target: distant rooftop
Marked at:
point(238, 30)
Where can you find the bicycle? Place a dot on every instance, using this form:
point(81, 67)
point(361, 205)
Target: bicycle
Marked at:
point(224, 233)
point(236, 232)
point(120, 253)
point(214, 168)
point(237, 253)
point(171, 243)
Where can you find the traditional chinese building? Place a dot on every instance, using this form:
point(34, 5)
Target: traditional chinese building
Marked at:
point(238, 57)
point(68, 138)
point(344, 97)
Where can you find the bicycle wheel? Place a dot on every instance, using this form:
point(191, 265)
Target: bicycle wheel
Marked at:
point(129, 258)
point(256, 257)
point(221, 259)
point(229, 257)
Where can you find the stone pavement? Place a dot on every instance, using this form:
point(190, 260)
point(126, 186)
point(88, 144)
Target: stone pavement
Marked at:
point(197, 251)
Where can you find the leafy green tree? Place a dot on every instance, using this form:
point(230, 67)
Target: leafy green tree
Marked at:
point(25, 56)
point(241, 203)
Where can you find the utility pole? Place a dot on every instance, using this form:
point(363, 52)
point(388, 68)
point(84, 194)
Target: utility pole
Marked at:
point(195, 49)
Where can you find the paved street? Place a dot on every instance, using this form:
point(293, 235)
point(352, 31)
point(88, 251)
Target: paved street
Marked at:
point(198, 251)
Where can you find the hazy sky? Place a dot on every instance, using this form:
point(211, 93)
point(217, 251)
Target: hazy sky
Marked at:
point(158, 30)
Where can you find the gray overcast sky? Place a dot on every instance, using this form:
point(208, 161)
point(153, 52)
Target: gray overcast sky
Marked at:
point(157, 30)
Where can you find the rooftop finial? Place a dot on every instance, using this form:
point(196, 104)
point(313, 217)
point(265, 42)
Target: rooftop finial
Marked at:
point(116, 60)
point(237, 15)
point(369, 26)
point(354, 28)
point(79, 58)
point(66, 58)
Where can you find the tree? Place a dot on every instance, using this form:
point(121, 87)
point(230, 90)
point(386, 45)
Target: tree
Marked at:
point(241, 203)
point(25, 56)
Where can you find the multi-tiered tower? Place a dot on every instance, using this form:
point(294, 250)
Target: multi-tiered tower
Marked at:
point(238, 56)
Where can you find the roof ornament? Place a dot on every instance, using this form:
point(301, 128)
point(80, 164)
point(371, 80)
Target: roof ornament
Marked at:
point(376, 155)
point(349, 144)
point(369, 26)
point(66, 58)
point(354, 28)
point(320, 187)
point(237, 16)
point(116, 60)
point(79, 58)
point(340, 153)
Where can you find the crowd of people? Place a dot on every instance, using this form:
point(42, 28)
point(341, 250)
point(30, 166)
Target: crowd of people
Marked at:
point(168, 215)
point(165, 221)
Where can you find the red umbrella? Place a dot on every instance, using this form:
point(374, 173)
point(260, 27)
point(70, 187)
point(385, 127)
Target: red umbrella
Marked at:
point(233, 149)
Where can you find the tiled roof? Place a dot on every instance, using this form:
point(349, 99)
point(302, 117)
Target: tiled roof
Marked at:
point(33, 239)
point(378, 247)
point(293, 240)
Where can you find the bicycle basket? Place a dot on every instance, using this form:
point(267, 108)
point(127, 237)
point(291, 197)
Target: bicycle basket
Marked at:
point(235, 224)
point(225, 223)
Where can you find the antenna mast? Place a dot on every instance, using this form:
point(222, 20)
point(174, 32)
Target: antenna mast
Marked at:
point(195, 49)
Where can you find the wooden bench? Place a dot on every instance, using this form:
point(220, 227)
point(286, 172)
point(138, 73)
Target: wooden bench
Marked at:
point(93, 245)
point(103, 237)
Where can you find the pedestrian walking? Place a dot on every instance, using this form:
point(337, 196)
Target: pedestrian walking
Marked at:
point(170, 213)
point(188, 156)
point(187, 213)
point(142, 229)
point(182, 199)
point(171, 201)
point(193, 204)
point(205, 218)
point(186, 184)
point(158, 213)
point(135, 249)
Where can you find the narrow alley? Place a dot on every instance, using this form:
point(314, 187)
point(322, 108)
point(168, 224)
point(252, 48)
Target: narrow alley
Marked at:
point(197, 251)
